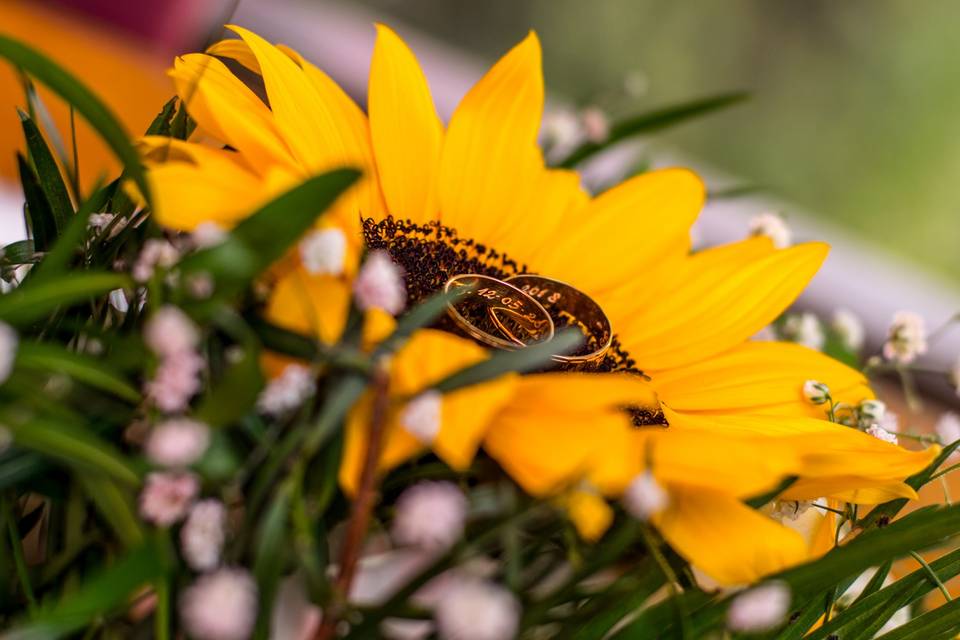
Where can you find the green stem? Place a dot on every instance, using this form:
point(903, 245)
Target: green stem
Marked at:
point(933, 575)
point(944, 472)
point(672, 582)
point(18, 559)
point(161, 617)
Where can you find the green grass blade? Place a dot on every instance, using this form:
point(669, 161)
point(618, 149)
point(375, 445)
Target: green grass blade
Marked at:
point(48, 172)
point(34, 301)
point(94, 372)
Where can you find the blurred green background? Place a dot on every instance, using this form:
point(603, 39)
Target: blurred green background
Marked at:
point(855, 108)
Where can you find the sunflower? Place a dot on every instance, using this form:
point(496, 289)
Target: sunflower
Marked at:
point(714, 417)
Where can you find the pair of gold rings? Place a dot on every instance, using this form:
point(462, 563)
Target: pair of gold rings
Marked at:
point(525, 309)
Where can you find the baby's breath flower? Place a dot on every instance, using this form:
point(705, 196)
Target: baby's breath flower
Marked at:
point(804, 329)
point(166, 496)
point(880, 433)
point(170, 331)
point(118, 300)
point(759, 609)
point(287, 391)
point(596, 125)
point(873, 411)
point(906, 338)
point(220, 606)
point(773, 226)
point(422, 415)
point(156, 252)
point(178, 442)
point(379, 285)
point(200, 285)
point(790, 509)
point(948, 427)
point(176, 380)
point(430, 515)
point(202, 535)
point(560, 129)
point(207, 234)
point(889, 422)
point(9, 340)
point(849, 327)
point(644, 497)
point(324, 251)
point(473, 609)
point(816, 392)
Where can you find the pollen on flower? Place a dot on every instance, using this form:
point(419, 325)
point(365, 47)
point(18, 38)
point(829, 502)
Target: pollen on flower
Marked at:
point(906, 338)
point(644, 497)
point(474, 609)
point(759, 609)
point(430, 515)
point(422, 415)
point(379, 285)
point(8, 349)
point(323, 252)
point(773, 226)
point(178, 442)
point(287, 391)
point(202, 535)
point(849, 327)
point(880, 433)
point(220, 606)
point(166, 496)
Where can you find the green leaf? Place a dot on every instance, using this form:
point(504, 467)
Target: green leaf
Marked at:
point(107, 592)
point(71, 444)
point(33, 301)
point(40, 222)
point(261, 239)
point(235, 393)
point(161, 124)
point(653, 121)
point(58, 259)
point(271, 544)
point(942, 622)
point(115, 505)
point(51, 180)
point(49, 357)
point(522, 360)
point(20, 252)
point(83, 100)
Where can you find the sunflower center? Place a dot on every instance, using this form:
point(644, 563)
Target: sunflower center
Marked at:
point(432, 253)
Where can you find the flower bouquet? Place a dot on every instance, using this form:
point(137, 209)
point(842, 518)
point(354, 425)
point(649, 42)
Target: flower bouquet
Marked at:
point(308, 371)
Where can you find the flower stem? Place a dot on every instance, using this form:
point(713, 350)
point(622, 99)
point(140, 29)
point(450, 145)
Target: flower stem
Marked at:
point(933, 575)
point(362, 505)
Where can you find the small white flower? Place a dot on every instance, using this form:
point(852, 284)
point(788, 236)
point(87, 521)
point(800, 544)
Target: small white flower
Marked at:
point(873, 411)
point(773, 226)
point(644, 497)
point(790, 509)
point(294, 617)
point(287, 391)
point(474, 609)
point(804, 329)
point(849, 327)
point(948, 428)
point(156, 252)
point(170, 331)
point(176, 381)
point(422, 415)
point(759, 609)
point(560, 130)
point(167, 496)
point(596, 126)
point(379, 285)
point(200, 285)
point(906, 337)
point(220, 606)
point(202, 535)
point(889, 421)
point(207, 234)
point(178, 442)
point(118, 300)
point(100, 220)
point(430, 515)
point(324, 251)
point(9, 340)
point(816, 392)
point(880, 433)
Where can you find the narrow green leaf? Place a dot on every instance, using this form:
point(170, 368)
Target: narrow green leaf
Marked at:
point(763, 499)
point(235, 393)
point(20, 252)
point(48, 172)
point(653, 121)
point(72, 445)
point(418, 317)
point(58, 259)
point(83, 100)
point(271, 544)
point(107, 592)
point(520, 361)
point(942, 622)
point(50, 357)
point(39, 217)
point(115, 505)
point(17, 466)
point(33, 301)
point(161, 123)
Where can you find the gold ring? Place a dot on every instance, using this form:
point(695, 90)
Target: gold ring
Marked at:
point(569, 307)
point(486, 308)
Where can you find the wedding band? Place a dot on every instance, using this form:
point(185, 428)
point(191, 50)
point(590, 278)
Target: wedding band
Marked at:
point(569, 307)
point(487, 309)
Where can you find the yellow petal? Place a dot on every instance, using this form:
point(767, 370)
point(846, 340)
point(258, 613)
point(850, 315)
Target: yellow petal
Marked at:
point(225, 108)
point(589, 512)
point(623, 230)
point(726, 539)
point(759, 377)
point(696, 321)
point(490, 164)
point(404, 125)
point(310, 304)
point(857, 490)
point(235, 50)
